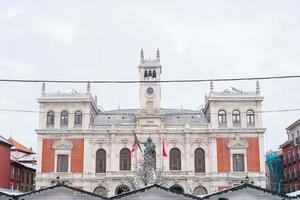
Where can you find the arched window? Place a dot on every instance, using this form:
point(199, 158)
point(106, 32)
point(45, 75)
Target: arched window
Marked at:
point(177, 188)
point(236, 118)
point(100, 161)
point(250, 118)
point(199, 160)
point(150, 73)
point(199, 190)
point(78, 118)
point(125, 159)
point(64, 118)
point(222, 117)
point(175, 159)
point(50, 118)
point(100, 190)
point(145, 74)
point(121, 189)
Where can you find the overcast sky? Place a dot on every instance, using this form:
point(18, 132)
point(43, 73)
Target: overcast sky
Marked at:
point(101, 40)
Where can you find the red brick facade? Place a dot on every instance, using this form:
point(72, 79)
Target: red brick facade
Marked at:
point(48, 155)
point(223, 155)
point(5, 165)
point(291, 166)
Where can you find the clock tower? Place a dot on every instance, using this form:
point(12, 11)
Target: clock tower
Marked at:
point(150, 70)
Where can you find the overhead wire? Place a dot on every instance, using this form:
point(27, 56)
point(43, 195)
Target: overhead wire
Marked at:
point(153, 81)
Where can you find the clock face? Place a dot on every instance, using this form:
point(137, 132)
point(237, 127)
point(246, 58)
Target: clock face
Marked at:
point(150, 90)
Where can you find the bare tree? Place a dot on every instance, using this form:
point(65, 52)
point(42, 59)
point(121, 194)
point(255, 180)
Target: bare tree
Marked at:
point(146, 172)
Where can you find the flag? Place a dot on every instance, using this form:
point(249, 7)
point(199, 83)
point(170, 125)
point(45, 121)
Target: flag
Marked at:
point(135, 144)
point(133, 148)
point(164, 152)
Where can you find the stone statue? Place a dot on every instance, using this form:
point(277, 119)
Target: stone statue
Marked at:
point(149, 146)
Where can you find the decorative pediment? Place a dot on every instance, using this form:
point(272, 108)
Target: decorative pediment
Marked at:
point(237, 143)
point(63, 145)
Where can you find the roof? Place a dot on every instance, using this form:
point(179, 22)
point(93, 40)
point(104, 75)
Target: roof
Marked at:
point(19, 147)
point(294, 194)
point(151, 187)
point(293, 125)
point(244, 186)
point(127, 117)
point(285, 144)
point(61, 185)
point(4, 141)
point(9, 192)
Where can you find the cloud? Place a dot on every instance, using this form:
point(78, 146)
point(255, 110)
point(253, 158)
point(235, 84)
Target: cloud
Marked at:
point(11, 13)
point(13, 68)
point(57, 29)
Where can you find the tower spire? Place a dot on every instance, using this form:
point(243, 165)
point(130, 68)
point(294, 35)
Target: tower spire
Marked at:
point(43, 89)
point(211, 86)
point(88, 87)
point(257, 87)
point(157, 55)
point(142, 55)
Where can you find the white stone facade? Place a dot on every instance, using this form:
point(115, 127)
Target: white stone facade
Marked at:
point(186, 130)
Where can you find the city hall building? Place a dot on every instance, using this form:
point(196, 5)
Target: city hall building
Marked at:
point(207, 150)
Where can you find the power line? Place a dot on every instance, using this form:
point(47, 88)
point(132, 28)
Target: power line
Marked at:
point(175, 113)
point(153, 81)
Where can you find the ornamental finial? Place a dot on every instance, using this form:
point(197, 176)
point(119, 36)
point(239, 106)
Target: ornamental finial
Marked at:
point(142, 55)
point(88, 87)
point(211, 86)
point(157, 55)
point(257, 87)
point(43, 89)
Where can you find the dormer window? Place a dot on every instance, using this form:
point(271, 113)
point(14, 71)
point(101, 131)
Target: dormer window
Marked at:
point(64, 118)
point(222, 118)
point(50, 119)
point(78, 118)
point(250, 118)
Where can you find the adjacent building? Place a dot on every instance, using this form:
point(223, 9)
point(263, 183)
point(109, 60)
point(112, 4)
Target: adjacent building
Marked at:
point(5, 162)
point(274, 170)
point(291, 158)
point(207, 150)
point(18, 165)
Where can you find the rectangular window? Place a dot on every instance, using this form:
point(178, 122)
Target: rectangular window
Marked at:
point(62, 163)
point(12, 173)
point(238, 162)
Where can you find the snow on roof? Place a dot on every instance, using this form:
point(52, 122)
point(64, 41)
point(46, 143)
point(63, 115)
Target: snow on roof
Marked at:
point(293, 194)
point(10, 192)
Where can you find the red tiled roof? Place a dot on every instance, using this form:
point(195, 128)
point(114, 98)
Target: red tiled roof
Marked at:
point(4, 141)
point(19, 146)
